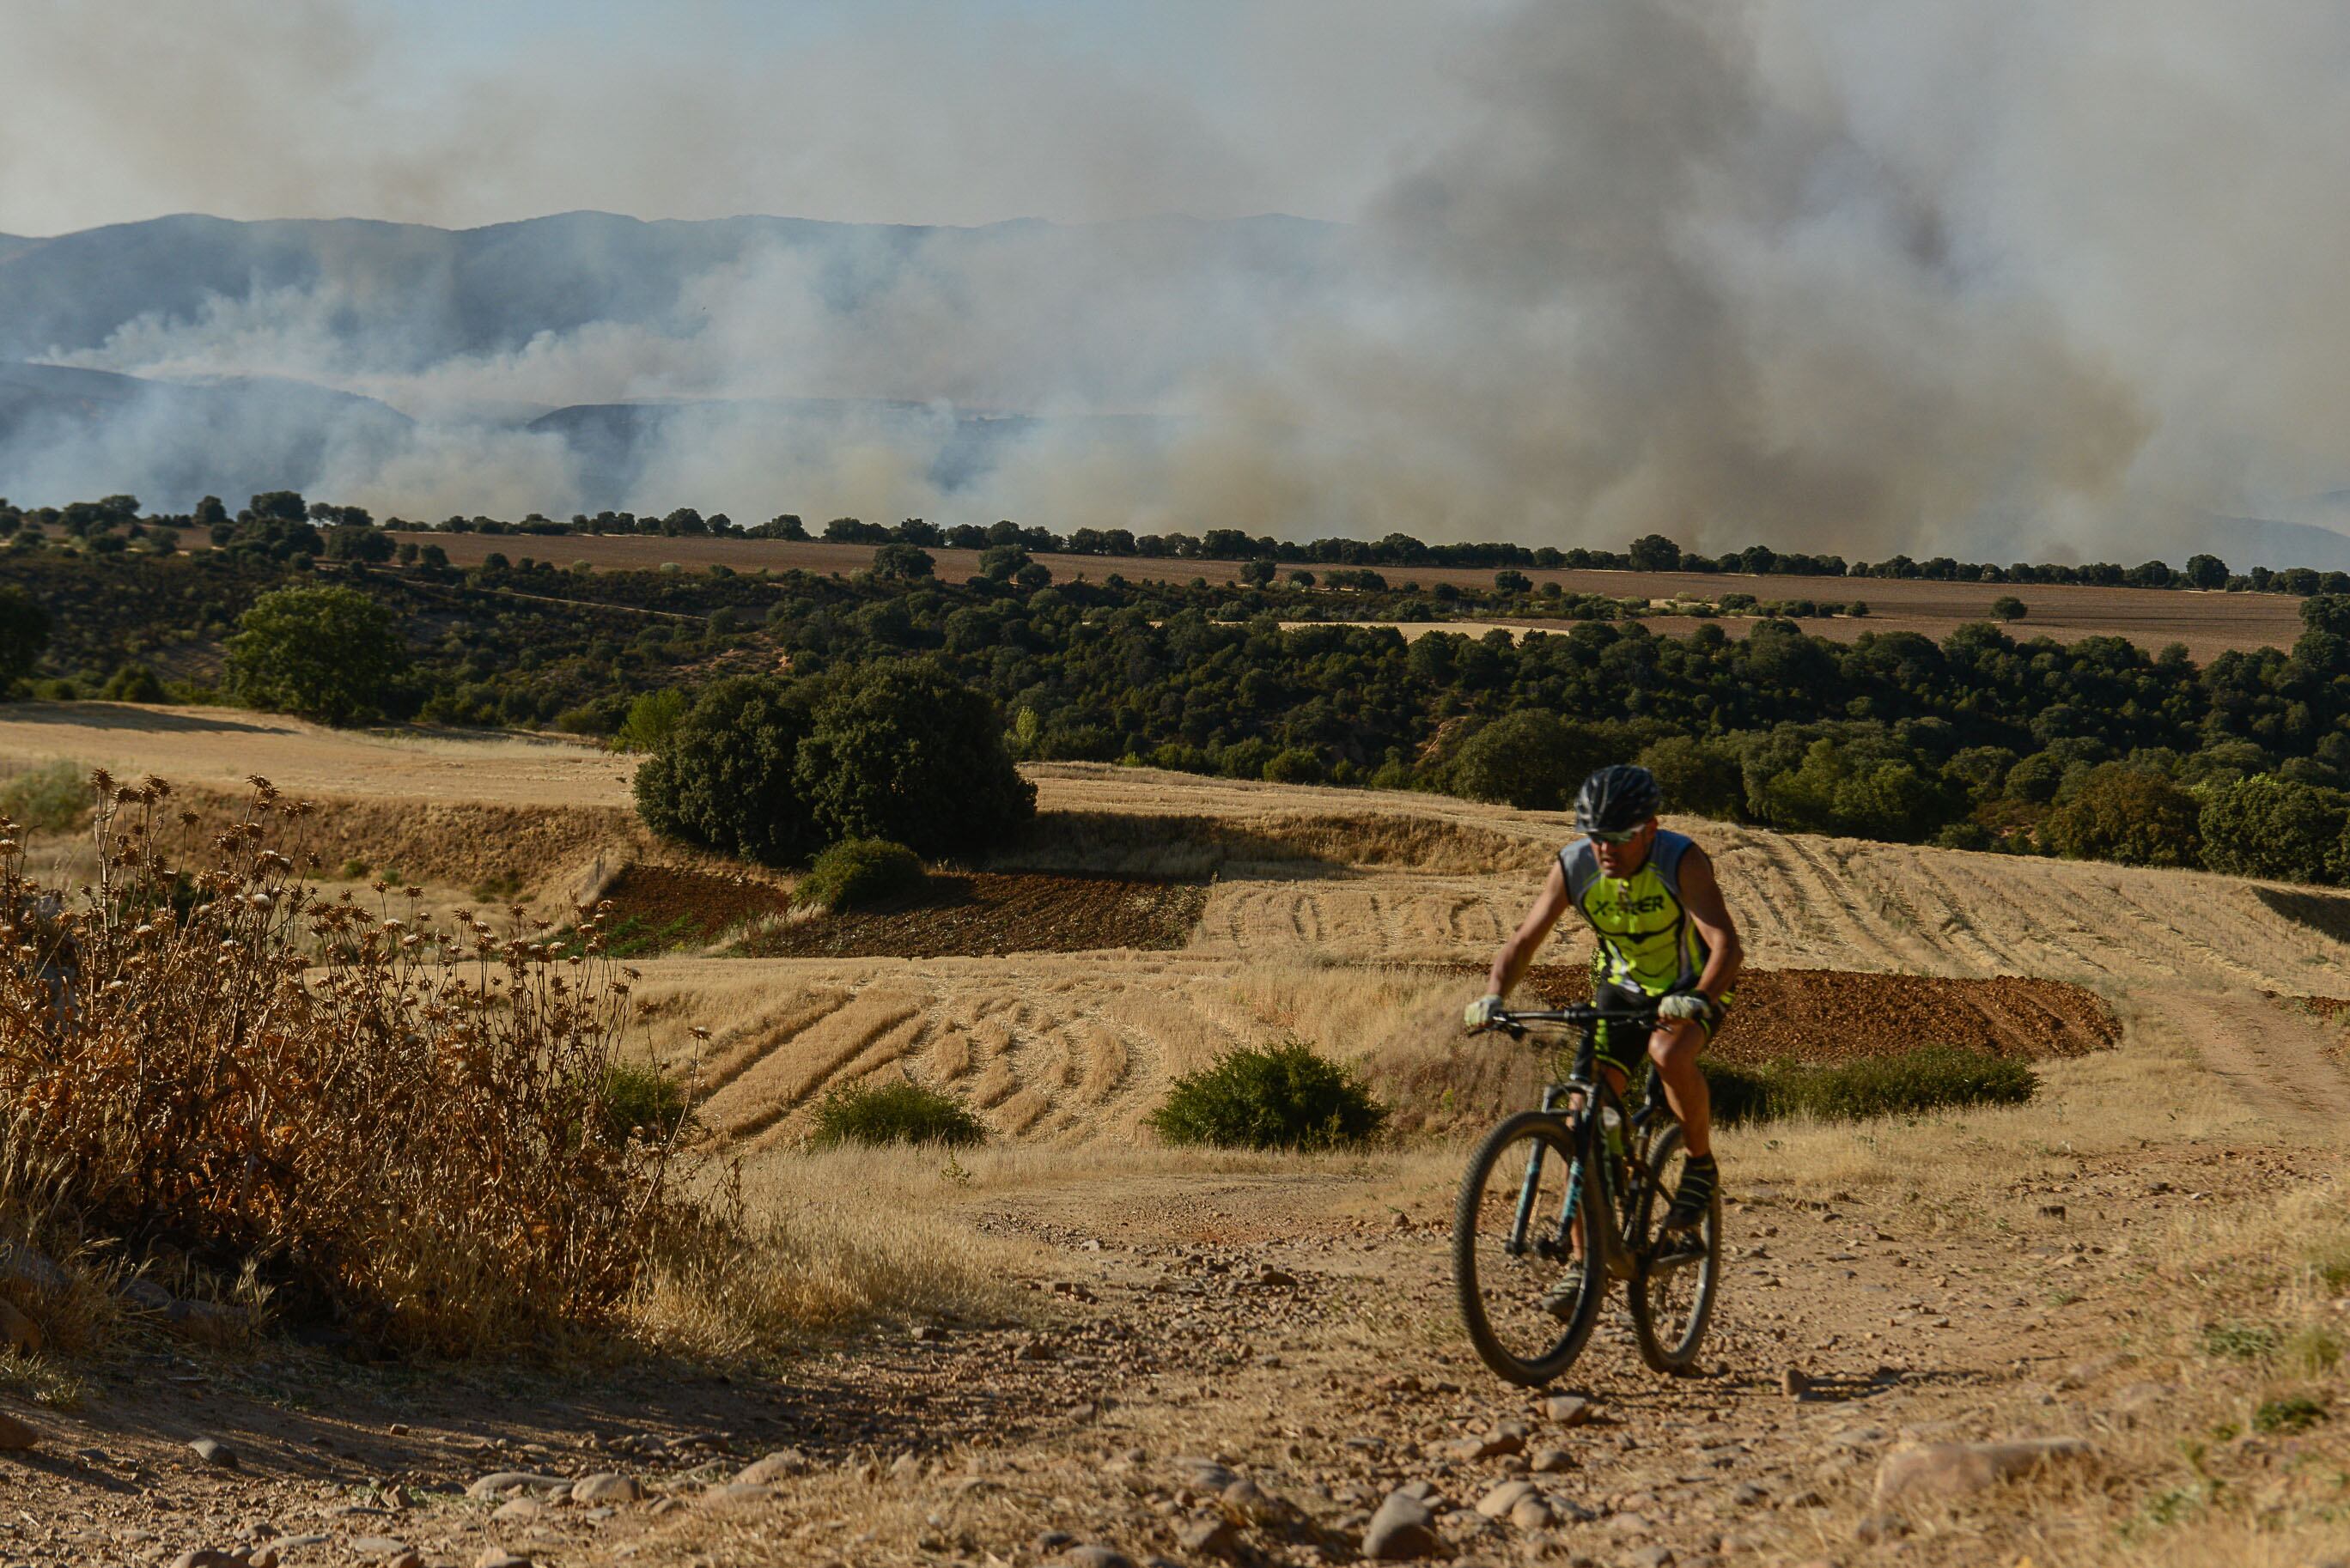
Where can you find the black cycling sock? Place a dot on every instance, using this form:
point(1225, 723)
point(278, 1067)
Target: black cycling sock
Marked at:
point(1694, 1192)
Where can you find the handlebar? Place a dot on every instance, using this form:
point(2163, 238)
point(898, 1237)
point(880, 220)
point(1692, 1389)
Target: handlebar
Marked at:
point(1513, 1022)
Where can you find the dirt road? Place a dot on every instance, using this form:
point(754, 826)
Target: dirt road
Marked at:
point(1286, 1324)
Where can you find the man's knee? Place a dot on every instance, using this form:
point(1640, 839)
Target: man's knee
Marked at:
point(1672, 1047)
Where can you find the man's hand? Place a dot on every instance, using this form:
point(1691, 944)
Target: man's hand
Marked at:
point(1479, 1014)
point(1688, 1007)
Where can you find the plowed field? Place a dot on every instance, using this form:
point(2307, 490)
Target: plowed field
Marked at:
point(1831, 1015)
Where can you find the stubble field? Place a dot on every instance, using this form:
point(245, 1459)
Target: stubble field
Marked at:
point(1128, 1335)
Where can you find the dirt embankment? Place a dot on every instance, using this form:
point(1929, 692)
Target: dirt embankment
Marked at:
point(989, 914)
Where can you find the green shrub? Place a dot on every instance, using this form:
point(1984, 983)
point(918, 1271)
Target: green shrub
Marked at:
point(1934, 1077)
point(902, 1112)
point(1280, 1096)
point(641, 1098)
point(2293, 1413)
point(859, 872)
point(132, 683)
point(2238, 1341)
point(651, 719)
point(54, 797)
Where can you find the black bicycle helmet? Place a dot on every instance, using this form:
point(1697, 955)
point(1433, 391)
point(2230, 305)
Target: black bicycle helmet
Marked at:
point(1617, 799)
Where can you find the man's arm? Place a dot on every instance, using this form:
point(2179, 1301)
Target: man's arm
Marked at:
point(1510, 964)
point(1701, 898)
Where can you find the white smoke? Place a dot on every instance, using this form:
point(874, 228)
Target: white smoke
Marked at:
point(2001, 280)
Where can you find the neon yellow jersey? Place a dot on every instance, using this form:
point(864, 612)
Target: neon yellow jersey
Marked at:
point(1647, 940)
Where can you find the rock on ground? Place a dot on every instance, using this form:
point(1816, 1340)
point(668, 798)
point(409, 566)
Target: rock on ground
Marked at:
point(1401, 1530)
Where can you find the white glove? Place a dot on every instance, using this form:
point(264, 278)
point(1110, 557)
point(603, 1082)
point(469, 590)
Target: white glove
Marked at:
point(1688, 1007)
point(1479, 1014)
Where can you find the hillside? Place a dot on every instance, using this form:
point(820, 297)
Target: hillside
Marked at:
point(1096, 1336)
point(1354, 919)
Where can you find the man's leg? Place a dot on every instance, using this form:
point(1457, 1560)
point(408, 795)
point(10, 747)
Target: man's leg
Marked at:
point(1674, 1049)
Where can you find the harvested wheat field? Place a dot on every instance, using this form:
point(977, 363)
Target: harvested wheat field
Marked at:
point(1071, 1336)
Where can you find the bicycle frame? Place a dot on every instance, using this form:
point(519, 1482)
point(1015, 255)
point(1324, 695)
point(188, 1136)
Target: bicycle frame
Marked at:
point(1583, 1104)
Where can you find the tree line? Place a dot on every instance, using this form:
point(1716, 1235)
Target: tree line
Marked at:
point(115, 524)
point(1982, 740)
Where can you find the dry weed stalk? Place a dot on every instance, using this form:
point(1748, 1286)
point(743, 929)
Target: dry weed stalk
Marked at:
point(398, 1120)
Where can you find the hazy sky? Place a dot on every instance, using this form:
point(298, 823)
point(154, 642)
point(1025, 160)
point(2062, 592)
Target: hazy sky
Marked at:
point(1981, 275)
point(954, 111)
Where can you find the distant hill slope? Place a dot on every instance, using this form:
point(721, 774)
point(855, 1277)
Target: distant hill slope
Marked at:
point(2247, 542)
point(229, 437)
point(472, 291)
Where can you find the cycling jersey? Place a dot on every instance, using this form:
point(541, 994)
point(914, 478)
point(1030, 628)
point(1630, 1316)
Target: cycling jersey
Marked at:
point(1648, 943)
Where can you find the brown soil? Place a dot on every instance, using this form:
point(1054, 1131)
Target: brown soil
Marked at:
point(1839, 1015)
point(658, 908)
point(993, 913)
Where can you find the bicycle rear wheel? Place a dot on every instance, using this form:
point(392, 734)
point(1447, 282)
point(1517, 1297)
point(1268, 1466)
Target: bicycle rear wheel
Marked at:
point(1527, 1296)
point(1673, 1279)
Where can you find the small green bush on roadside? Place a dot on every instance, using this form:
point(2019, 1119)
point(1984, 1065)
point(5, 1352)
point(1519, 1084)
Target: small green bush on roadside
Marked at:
point(642, 1098)
point(1280, 1096)
point(52, 798)
point(1937, 1077)
point(878, 1114)
point(2292, 1413)
point(860, 872)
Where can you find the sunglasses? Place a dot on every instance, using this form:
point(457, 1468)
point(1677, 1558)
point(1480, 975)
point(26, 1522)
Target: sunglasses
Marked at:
point(1614, 838)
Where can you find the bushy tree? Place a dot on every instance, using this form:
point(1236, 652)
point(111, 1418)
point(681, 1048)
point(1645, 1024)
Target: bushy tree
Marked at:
point(1531, 759)
point(2271, 827)
point(1840, 790)
point(1655, 553)
point(1697, 777)
point(902, 750)
point(2129, 814)
point(349, 542)
point(329, 654)
point(725, 779)
point(901, 564)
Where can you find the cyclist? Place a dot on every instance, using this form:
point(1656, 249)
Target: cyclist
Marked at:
point(1664, 936)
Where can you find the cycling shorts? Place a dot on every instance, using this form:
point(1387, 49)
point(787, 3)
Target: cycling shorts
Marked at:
point(1625, 1049)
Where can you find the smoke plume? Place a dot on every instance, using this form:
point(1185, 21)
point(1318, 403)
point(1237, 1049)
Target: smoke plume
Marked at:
point(2002, 280)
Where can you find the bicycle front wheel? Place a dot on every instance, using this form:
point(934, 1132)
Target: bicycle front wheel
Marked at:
point(1674, 1274)
point(1522, 1255)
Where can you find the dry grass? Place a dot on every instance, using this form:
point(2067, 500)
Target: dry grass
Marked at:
point(367, 1113)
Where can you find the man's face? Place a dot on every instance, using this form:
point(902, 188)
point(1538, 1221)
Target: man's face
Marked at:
point(1621, 860)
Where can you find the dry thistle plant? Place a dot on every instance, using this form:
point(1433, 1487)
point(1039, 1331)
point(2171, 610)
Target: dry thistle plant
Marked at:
point(399, 1122)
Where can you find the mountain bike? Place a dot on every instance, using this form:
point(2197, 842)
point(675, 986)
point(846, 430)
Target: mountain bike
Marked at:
point(1558, 1203)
